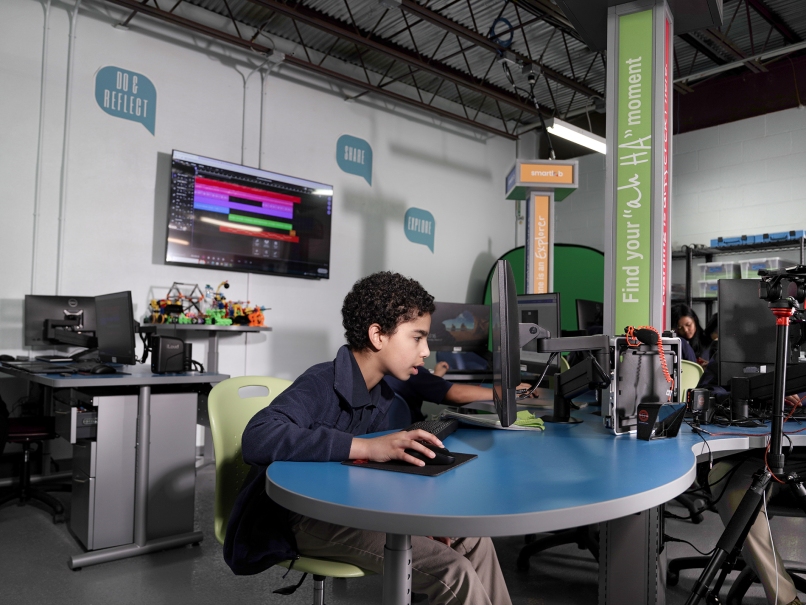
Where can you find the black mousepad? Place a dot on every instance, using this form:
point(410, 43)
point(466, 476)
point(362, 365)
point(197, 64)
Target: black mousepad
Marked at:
point(398, 466)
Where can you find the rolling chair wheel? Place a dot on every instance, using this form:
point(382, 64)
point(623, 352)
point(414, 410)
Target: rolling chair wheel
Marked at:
point(697, 519)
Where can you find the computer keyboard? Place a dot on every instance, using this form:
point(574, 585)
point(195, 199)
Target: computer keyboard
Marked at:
point(46, 367)
point(439, 428)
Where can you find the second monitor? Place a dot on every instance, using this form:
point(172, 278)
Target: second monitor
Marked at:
point(543, 310)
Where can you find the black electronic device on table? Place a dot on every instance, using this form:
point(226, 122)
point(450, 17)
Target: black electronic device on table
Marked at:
point(228, 216)
point(115, 328)
point(440, 428)
point(441, 455)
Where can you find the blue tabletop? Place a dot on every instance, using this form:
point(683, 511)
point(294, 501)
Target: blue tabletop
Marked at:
point(521, 482)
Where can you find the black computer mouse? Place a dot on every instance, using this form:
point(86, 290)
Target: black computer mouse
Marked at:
point(443, 456)
point(6, 358)
point(102, 369)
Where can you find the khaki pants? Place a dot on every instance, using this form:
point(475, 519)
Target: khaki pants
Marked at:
point(465, 573)
point(757, 550)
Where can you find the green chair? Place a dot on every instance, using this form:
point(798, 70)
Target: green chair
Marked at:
point(690, 373)
point(231, 405)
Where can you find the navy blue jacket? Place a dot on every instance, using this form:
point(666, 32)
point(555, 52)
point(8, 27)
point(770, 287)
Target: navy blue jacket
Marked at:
point(315, 419)
point(422, 386)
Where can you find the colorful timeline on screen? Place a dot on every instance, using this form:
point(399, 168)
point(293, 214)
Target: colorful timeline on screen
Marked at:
point(233, 200)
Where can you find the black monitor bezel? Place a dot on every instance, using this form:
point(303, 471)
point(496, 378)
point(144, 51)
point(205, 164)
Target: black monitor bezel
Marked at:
point(506, 342)
point(238, 269)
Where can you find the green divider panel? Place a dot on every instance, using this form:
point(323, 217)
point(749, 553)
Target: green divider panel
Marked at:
point(578, 273)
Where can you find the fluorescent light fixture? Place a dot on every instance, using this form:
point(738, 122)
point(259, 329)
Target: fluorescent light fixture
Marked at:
point(576, 135)
point(323, 192)
point(238, 226)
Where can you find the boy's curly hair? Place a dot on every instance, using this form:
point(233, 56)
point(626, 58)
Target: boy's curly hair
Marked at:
point(385, 298)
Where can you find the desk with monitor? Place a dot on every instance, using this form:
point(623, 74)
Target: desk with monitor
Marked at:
point(522, 482)
point(133, 433)
point(134, 480)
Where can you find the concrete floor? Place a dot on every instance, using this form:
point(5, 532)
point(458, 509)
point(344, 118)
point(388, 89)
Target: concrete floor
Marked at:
point(34, 553)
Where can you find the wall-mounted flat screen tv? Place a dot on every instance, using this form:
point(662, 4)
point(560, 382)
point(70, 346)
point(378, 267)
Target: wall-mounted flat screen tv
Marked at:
point(238, 218)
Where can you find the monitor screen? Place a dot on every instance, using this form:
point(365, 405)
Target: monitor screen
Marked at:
point(543, 310)
point(245, 219)
point(506, 341)
point(589, 313)
point(80, 309)
point(746, 330)
point(114, 318)
point(459, 327)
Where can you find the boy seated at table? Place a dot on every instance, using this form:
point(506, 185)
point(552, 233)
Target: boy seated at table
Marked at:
point(386, 318)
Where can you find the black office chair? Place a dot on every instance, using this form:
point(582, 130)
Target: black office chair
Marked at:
point(586, 537)
point(26, 431)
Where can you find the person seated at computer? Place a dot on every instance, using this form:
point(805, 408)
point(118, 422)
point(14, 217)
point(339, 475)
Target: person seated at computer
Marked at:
point(427, 386)
point(386, 318)
point(688, 328)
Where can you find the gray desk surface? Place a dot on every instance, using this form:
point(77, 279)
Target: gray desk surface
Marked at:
point(132, 376)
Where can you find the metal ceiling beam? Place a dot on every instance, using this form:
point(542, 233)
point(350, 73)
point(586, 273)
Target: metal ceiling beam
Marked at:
point(486, 43)
point(770, 17)
point(291, 60)
point(191, 25)
point(702, 47)
point(335, 27)
point(727, 44)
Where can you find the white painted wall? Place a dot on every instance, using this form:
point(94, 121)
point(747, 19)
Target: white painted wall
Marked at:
point(745, 177)
point(118, 177)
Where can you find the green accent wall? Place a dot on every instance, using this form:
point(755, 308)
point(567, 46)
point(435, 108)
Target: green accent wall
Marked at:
point(578, 273)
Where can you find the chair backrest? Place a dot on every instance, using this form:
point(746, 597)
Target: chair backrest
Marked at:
point(690, 374)
point(231, 405)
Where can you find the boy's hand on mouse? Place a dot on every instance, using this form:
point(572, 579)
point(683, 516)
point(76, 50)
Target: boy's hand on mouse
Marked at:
point(393, 447)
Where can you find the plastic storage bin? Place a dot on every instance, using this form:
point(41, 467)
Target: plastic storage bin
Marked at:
point(781, 236)
point(720, 270)
point(738, 240)
point(751, 267)
point(709, 288)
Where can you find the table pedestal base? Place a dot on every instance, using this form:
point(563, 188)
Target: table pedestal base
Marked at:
point(397, 570)
point(94, 557)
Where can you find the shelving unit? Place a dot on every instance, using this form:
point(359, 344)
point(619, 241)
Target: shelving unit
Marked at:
point(689, 253)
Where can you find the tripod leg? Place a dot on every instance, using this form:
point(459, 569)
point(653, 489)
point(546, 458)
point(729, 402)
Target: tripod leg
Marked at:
point(734, 534)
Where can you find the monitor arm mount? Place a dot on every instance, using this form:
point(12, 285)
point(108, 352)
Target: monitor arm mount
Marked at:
point(783, 303)
point(61, 331)
point(591, 374)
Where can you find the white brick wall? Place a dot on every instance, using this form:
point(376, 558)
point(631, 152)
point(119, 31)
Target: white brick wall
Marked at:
point(744, 177)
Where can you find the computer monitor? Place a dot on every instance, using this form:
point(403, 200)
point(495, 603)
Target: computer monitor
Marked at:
point(506, 343)
point(746, 330)
point(543, 310)
point(459, 327)
point(77, 313)
point(114, 317)
point(589, 313)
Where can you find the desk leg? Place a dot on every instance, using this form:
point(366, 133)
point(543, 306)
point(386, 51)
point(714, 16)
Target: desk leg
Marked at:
point(631, 567)
point(141, 544)
point(397, 570)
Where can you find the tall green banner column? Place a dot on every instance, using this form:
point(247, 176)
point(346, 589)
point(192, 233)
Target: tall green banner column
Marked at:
point(638, 162)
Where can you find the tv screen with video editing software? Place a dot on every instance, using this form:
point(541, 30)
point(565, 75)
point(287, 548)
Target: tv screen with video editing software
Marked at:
point(238, 218)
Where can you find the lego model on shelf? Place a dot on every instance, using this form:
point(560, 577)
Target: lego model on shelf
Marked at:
point(186, 304)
